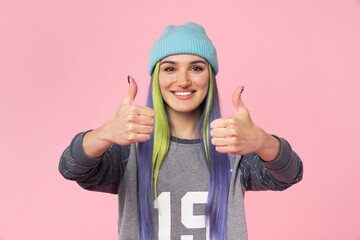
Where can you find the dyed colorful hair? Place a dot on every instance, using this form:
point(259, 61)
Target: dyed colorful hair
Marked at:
point(152, 153)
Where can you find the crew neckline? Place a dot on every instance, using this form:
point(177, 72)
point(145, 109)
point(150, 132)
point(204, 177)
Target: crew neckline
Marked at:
point(184, 141)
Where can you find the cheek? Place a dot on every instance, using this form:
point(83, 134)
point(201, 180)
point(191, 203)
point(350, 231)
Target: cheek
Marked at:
point(165, 81)
point(164, 85)
point(203, 83)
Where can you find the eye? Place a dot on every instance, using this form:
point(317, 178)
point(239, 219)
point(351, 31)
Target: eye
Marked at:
point(169, 69)
point(197, 69)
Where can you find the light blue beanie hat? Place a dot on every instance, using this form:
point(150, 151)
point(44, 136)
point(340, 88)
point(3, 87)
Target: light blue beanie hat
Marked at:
point(189, 38)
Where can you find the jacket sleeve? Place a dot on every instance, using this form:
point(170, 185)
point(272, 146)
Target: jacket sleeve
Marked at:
point(279, 174)
point(101, 174)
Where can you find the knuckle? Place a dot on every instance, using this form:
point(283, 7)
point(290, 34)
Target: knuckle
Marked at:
point(233, 132)
point(232, 148)
point(130, 137)
point(131, 117)
point(132, 108)
point(130, 127)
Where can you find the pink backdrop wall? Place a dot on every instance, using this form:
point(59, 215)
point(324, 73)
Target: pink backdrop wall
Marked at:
point(63, 68)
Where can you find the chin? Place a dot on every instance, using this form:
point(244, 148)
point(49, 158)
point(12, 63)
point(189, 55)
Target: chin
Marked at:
point(184, 109)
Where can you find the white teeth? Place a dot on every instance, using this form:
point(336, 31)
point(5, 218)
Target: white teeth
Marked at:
point(182, 93)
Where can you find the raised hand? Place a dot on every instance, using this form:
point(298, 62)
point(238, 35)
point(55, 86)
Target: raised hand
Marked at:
point(239, 135)
point(130, 124)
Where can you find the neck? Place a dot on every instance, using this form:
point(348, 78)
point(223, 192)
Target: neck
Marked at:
point(184, 124)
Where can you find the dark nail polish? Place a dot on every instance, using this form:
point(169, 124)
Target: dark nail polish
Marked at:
point(242, 89)
point(129, 79)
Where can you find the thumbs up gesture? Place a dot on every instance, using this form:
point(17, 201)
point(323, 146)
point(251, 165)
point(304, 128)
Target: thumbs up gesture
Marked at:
point(131, 123)
point(239, 135)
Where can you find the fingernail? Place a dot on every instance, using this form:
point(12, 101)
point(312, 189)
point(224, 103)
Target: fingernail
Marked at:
point(242, 89)
point(129, 79)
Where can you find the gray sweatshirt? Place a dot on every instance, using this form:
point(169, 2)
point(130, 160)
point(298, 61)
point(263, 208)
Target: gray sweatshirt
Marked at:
point(182, 185)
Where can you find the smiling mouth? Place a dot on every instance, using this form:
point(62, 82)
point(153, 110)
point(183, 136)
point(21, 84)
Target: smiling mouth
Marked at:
point(183, 93)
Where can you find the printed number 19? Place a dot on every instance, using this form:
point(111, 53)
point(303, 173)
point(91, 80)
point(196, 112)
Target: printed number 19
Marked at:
point(187, 218)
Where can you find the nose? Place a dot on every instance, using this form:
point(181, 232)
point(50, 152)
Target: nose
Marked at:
point(182, 80)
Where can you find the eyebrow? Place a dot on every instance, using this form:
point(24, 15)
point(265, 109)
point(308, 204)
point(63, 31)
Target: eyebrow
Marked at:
point(192, 62)
point(170, 62)
point(198, 61)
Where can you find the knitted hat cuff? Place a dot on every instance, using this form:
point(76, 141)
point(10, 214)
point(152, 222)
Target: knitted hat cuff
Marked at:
point(187, 39)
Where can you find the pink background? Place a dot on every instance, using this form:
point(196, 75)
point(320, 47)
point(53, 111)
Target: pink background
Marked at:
point(63, 68)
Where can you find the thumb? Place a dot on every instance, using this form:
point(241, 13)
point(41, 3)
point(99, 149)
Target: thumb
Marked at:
point(239, 106)
point(131, 94)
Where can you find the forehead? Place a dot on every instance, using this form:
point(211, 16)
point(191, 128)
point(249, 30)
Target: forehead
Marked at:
point(179, 58)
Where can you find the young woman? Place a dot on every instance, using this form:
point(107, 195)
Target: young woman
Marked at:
point(179, 169)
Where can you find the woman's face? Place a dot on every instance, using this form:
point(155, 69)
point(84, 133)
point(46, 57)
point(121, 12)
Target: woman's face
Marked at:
point(183, 81)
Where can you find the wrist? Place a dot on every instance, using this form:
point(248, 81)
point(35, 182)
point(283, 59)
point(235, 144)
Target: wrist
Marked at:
point(270, 148)
point(95, 143)
point(104, 134)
